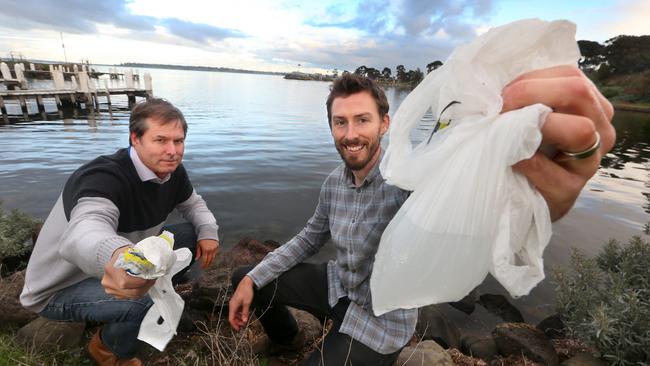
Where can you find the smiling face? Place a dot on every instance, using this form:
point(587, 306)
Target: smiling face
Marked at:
point(357, 129)
point(161, 146)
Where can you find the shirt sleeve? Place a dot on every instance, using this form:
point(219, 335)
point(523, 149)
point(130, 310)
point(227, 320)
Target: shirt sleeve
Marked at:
point(91, 236)
point(196, 211)
point(307, 243)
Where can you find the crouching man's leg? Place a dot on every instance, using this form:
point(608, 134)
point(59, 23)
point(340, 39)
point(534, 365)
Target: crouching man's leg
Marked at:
point(88, 301)
point(303, 287)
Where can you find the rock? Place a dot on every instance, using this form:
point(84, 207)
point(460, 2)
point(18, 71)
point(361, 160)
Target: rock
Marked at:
point(467, 303)
point(425, 353)
point(499, 305)
point(434, 325)
point(12, 311)
point(552, 326)
point(51, 334)
point(480, 347)
point(584, 359)
point(249, 252)
point(522, 338)
point(461, 359)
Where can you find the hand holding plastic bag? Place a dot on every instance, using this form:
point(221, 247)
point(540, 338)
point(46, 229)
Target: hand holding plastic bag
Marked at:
point(469, 213)
point(154, 258)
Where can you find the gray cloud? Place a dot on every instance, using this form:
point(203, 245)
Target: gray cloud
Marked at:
point(371, 16)
point(403, 33)
point(79, 16)
point(198, 32)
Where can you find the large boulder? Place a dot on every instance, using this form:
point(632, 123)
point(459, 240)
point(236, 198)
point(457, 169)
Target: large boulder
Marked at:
point(523, 339)
point(480, 347)
point(552, 326)
point(425, 353)
point(499, 305)
point(434, 325)
point(50, 334)
point(249, 251)
point(12, 311)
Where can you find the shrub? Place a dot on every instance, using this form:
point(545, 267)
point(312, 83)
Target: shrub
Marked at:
point(605, 301)
point(15, 229)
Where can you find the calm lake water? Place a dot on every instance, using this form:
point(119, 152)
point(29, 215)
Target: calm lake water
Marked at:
point(258, 149)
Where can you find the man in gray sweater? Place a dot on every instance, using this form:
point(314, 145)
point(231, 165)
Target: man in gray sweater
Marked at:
point(106, 206)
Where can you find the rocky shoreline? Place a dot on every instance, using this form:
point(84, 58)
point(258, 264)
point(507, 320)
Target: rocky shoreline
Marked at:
point(438, 341)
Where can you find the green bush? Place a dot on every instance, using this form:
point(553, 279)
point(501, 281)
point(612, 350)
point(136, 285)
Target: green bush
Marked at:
point(605, 301)
point(15, 229)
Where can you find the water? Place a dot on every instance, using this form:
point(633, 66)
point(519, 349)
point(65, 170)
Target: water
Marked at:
point(259, 147)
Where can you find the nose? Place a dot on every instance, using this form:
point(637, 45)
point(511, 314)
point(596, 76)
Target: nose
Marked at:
point(351, 132)
point(170, 148)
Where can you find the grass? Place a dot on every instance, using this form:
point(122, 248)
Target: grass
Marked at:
point(14, 354)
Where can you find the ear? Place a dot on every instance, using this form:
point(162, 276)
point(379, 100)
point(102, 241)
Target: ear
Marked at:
point(133, 138)
point(385, 124)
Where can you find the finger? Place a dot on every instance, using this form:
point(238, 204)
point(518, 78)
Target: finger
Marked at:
point(549, 72)
point(567, 71)
point(572, 134)
point(571, 95)
point(198, 252)
point(558, 186)
point(232, 311)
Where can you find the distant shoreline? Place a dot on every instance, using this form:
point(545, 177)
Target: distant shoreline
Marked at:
point(633, 107)
point(197, 68)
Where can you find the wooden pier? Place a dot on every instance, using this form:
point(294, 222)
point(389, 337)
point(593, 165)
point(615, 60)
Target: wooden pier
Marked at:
point(83, 92)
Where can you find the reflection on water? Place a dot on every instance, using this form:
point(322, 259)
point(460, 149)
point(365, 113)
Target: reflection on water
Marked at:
point(259, 147)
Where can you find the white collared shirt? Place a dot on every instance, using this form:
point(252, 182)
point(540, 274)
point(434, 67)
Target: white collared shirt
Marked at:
point(144, 172)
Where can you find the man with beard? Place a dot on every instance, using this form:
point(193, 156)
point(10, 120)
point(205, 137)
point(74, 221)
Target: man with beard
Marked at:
point(106, 206)
point(356, 204)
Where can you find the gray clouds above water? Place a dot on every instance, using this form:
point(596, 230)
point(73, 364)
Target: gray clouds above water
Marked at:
point(408, 32)
point(79, 16)
point(337, 34)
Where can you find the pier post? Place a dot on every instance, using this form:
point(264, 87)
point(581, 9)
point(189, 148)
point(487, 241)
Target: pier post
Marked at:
point(6, 73)
point(131, 100)
point(147, 85)
point(51, 67)
point(128, 76)
point(3, 111)
point(23, 108)
point(59, 105)
point(19, 69)
point(57, 76)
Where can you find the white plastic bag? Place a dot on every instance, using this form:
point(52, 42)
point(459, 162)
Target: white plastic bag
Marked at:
point(469, 213)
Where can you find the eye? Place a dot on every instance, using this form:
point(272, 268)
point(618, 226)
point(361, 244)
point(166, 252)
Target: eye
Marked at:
point(179, 142)
point(339, 122)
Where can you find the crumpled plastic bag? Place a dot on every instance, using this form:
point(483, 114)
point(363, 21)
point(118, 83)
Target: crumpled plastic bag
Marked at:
point(469, 213)
point(154, 258)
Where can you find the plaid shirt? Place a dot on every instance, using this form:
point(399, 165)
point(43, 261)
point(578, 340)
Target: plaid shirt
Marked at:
point(354, 218)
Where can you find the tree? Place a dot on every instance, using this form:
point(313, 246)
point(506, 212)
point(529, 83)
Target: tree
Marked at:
point(433, 65)
point(593, 54)
point(401, 73)
point(628, 54)
point(373, 73)
point(361, 71)
point(386, 73)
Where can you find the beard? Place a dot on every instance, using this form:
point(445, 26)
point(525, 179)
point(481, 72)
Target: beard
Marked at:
point(360, 162)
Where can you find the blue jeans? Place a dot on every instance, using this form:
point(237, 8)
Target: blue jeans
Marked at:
point(88, 301)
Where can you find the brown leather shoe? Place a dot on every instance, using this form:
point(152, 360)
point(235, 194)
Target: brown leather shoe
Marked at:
point(104, 357)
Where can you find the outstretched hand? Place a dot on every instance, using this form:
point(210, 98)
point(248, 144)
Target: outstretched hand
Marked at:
point(579, 111)
point(240, 302)
point(120, 284)
point(206, 250)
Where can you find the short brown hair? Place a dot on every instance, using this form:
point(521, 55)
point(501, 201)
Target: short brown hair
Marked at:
point(348, 84)
point(157, 108)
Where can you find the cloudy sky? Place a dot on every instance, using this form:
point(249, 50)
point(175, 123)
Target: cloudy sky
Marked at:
point(280, 35)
